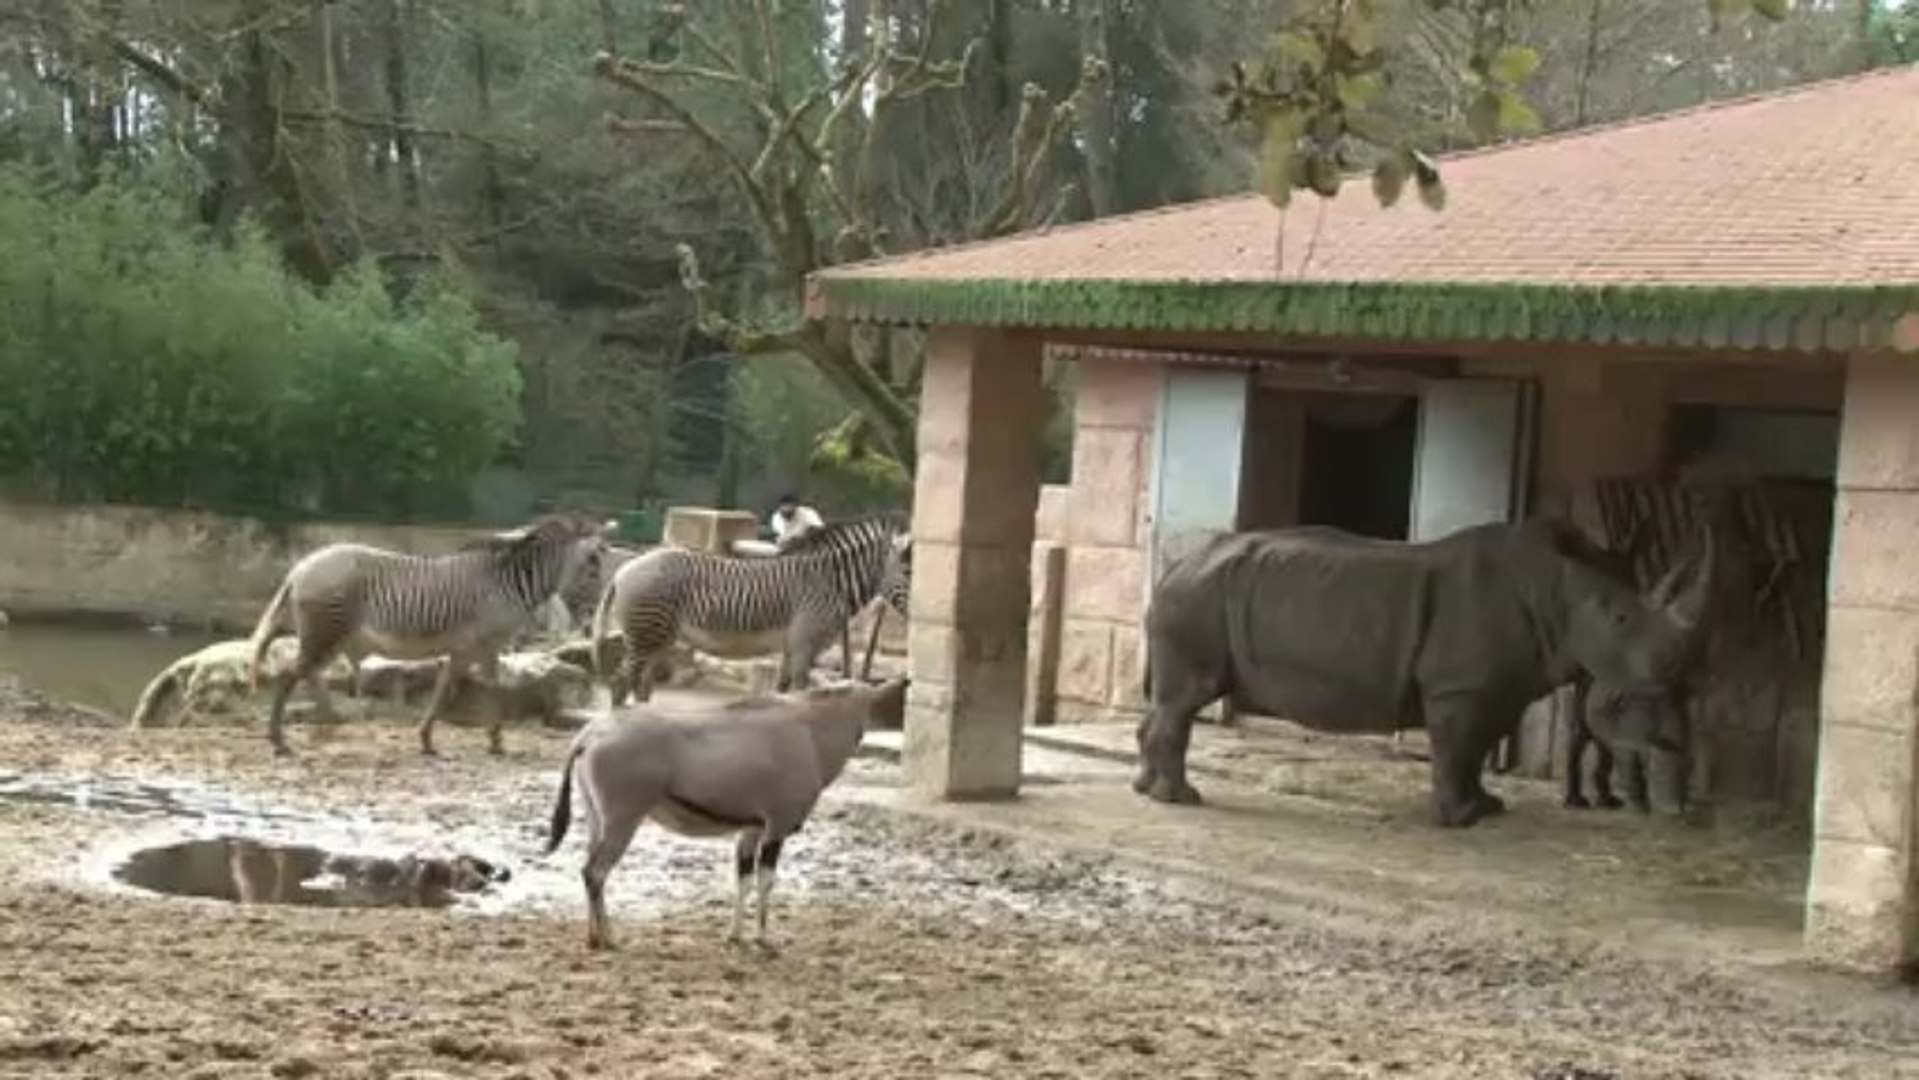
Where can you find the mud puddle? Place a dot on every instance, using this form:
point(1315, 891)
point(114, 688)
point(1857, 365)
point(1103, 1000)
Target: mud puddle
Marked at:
point(241, 869)
point(177, 838)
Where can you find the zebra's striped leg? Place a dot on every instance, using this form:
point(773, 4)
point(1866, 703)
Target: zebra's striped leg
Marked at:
point(307, 667)
point(620, 681)
point(806, 639)
point(488, 670)
point(645, 673)
point(323, 708)
point(441, 686)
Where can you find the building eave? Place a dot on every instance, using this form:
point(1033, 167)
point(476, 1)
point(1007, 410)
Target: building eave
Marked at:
point(1837, 318)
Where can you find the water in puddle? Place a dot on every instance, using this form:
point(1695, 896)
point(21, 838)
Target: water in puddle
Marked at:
point(97, 663)
point(245, 870)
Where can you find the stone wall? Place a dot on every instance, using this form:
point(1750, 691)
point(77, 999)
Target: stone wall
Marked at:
point(1863, 899)
point(167, 565)
point(1100, 520)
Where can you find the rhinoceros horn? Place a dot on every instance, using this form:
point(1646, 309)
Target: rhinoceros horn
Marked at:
point(1689, 604)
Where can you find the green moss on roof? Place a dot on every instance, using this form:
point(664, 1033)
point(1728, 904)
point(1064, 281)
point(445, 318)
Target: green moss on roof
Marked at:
point(1760, 317)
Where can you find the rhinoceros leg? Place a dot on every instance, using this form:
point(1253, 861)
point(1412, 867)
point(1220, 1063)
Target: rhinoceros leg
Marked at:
point(1582, 737)
point(1167, 733)
point(1461, 735)
point(1602, 776)
point(1637, 788)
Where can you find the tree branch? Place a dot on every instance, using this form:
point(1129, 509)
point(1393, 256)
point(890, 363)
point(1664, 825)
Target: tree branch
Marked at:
point(382, 124)
point(623, 73)
point(679, 69)
point(153, 69)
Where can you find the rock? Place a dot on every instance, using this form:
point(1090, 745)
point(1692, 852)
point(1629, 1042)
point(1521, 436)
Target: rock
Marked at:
point(533, 685)
point(212, 683)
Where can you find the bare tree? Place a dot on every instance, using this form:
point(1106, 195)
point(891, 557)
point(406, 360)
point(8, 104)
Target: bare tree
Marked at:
point(805, 164)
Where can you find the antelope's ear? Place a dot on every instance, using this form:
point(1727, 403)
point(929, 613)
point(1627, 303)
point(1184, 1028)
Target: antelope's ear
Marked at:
point(609, 529)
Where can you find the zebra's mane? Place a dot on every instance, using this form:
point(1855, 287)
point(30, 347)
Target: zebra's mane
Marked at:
point(833, 532)
point(544, 527)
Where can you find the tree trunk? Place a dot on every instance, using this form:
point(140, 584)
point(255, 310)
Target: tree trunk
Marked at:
point(400, 136)
point(1588, 65)
point(494, 191)
point(95, 91)
point(609, 29)
point(855, 41)
point(333, 130)
point(1096, 125)
point(999, 44)
point(261, 170)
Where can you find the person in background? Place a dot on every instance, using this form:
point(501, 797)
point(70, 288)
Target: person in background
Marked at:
point(791, 519)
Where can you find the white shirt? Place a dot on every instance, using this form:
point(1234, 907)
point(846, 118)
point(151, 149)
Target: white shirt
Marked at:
point(804, 519)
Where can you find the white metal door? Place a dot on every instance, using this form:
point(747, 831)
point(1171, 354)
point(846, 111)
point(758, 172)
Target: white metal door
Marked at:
point(1196, 459)
point(1472, 460)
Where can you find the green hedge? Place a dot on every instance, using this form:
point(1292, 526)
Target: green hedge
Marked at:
point(143, 362)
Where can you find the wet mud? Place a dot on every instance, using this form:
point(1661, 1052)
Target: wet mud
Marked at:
point(907, 945)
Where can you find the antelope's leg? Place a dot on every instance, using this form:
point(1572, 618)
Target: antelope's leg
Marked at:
point(607, 841)
point(769, 861)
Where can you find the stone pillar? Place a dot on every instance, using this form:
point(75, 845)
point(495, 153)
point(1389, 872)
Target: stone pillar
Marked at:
point(1862, 905)
point(982, 406)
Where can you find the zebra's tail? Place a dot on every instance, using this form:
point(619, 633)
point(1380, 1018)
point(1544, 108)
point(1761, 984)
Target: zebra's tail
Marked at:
point(598, 644)
point(263, 631)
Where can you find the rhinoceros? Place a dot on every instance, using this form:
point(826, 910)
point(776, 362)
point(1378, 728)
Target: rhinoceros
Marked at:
point(1347, 634)
point(1644, 726)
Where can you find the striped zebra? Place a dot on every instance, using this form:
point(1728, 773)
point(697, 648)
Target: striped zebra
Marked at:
point(794, 603)
point(463, 608)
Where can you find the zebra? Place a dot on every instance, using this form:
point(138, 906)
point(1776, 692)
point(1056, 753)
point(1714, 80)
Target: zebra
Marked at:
point(462, 608)
point(794, 602)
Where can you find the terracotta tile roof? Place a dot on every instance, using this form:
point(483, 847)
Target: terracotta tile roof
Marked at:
point(1817, 185)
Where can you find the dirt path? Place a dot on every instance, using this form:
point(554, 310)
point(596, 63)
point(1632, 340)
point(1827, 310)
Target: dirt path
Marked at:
point(911, 948)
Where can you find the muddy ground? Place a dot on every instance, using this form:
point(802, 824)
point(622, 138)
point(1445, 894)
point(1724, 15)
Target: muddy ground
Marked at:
point(910, 945)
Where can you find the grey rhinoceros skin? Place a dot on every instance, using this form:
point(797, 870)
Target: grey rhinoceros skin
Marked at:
point(1346, 634)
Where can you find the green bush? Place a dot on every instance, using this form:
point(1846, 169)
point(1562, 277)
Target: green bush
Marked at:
point(142, 362)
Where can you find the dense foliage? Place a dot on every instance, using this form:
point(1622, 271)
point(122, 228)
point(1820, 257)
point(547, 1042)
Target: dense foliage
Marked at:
point(144, 363)
point(636, 191)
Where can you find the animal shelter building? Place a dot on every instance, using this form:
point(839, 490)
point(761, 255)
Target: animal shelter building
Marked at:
point(1702, 317)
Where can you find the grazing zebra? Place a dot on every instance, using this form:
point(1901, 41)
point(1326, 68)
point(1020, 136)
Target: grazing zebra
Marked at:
point(462, 608)
point(737, 607)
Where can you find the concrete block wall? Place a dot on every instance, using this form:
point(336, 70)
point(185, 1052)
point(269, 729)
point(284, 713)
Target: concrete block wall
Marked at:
point(1100, 521)
point(172, 566)
point(1863, 900)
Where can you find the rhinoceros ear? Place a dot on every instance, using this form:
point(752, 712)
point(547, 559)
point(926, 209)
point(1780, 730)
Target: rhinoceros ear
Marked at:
point(1689, 606)
point(1667, 587)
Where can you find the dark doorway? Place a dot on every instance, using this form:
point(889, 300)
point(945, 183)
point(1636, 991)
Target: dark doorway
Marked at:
point(1356, 463)
point(1320, 457)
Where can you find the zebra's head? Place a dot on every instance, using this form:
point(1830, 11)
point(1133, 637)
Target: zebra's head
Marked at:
point(551, 550)
point(874, 553)
point(896, 581)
